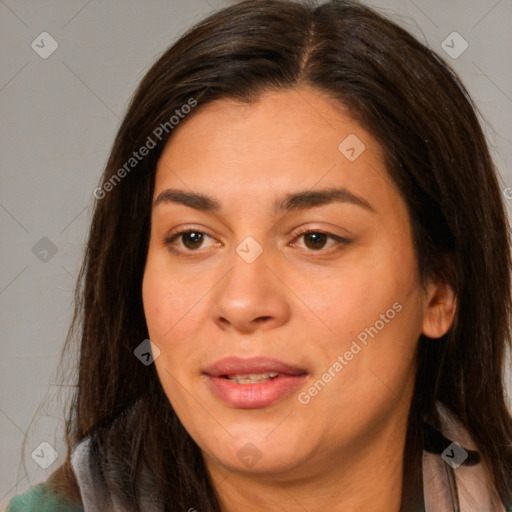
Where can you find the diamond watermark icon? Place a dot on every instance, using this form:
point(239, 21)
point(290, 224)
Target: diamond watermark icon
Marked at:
point(147, 352)
point(249, 249)
point(352, 147)
point(454, 455)
point(44, 45)
point(249, 454)
point(44, 455)
point(454, 45)
point(44, 250)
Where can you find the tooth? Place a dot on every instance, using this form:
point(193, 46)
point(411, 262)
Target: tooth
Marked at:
point(251, 378)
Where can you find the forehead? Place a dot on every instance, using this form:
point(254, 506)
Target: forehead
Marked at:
point(291, 138)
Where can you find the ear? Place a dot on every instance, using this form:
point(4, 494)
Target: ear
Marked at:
point(440, 309)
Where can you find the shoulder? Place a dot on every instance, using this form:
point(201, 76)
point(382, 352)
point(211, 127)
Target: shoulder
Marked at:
point(42, 498)
point(54, 495)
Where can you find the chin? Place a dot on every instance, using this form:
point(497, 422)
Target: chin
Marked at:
point(259, 455)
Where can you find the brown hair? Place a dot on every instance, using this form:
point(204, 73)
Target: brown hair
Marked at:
point(410, 100)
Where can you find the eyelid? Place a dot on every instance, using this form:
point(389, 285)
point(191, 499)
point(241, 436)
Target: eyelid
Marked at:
point(340, 241)
point(187, 229)
point(314, 229)
point(174, 234)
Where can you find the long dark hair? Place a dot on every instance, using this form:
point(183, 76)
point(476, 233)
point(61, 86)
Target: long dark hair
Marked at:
point(410, 100)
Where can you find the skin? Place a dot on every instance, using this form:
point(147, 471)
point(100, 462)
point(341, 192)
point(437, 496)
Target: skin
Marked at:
point(297, 302)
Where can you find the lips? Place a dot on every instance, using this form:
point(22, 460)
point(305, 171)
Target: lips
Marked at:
point(232, 366)
point(253, 383)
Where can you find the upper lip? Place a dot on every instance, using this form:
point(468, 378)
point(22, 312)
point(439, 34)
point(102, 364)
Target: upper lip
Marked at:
point(242, 366)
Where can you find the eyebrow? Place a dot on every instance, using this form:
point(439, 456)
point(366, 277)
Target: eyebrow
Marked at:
point(301, 200)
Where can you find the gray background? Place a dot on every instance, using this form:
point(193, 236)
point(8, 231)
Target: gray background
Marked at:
point(59, 118)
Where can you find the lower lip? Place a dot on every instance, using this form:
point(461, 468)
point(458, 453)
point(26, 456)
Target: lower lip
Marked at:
point(254, 396)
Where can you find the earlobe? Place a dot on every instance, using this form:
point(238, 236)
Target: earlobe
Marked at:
point(440, 309)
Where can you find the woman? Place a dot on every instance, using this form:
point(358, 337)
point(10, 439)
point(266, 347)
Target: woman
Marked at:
point(301, 213)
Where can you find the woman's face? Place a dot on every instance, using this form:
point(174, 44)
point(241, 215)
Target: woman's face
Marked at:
point(288, 317)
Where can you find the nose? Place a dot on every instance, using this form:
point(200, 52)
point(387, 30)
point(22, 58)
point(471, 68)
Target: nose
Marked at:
point(251, 296)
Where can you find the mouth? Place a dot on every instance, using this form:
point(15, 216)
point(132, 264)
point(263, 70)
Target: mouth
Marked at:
point(254, 382)
point(252, 378)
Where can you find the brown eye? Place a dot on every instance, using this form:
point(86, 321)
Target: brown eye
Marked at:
point(318, 241)
point(315, 241)
point(192, 239)
point(186, 241)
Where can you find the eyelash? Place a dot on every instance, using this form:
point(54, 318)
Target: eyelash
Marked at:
point(340, 241)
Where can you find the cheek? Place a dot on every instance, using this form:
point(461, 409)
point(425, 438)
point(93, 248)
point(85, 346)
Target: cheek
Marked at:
point(354, 299)
point(169, 313)
point(380, 352)
point(376, 373)
point(174, 309)
point(170, 305)
point(374, 313)
point(155, 300)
